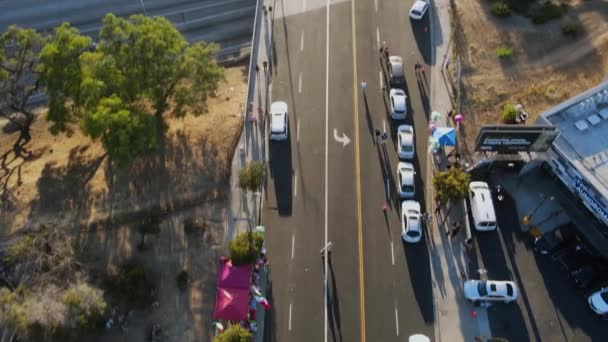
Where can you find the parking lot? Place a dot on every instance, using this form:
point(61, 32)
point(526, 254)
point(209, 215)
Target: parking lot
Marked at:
point(550, 307)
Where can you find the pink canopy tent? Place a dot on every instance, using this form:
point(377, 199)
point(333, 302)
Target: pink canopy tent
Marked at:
point(234, 277)
point(231, 304)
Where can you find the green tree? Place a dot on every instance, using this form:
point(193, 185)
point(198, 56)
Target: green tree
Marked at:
point(139, 62)
point(234, 333)
point(245, 248)
point(252, 176)
point(85, 306)
point(19, 50)
point(451, 186)
point(124, 132)
point(61, 72)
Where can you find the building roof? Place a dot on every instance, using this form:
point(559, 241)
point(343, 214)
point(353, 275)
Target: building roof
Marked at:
point(583, 125)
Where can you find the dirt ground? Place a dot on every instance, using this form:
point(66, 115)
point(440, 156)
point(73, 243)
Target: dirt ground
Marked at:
point(545, 69)
point(66, 182)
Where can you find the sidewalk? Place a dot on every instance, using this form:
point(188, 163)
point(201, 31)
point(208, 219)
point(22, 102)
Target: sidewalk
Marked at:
point(456, 318)
point(244, 208)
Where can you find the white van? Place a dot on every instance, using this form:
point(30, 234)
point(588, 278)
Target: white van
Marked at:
point(279, 121)
point(482, 207)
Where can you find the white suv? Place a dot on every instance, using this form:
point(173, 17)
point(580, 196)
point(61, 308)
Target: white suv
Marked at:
point(279, 121)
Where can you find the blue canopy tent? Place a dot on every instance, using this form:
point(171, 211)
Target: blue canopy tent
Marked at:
point(446, 136)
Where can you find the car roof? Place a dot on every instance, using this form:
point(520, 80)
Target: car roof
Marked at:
point(397, 92)
point(483, 200)
point(419, 5)
point(277, 122)
point(407, 138)
point(405, 128)
point(278, 107)
point(407, 177)
point(500, 285)
point(410, 204)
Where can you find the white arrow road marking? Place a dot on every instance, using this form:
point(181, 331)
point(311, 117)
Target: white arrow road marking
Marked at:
point(344, 140)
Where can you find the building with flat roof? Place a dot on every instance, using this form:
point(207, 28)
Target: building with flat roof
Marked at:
point(579, 155)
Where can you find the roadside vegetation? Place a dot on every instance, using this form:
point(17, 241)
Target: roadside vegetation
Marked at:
point(121, 93)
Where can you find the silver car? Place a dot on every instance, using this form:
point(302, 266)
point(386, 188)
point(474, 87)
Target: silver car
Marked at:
point(395, 69)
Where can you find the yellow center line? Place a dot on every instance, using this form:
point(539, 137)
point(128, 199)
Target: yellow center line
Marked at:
point(358, 176)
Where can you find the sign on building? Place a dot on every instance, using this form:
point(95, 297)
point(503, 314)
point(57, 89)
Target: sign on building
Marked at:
point(515, 138)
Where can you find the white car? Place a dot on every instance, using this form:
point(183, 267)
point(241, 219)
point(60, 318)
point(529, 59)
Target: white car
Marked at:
point(279, 122)
point(395, 70)
point(411, 230)
point(419, 9)
point(599, 302)
point(398, 104)
point(405, 174)
point(405, 141)
point(490, 290)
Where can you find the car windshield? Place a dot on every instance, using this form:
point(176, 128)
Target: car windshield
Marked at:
point(415, 12)
point(413, 233)
point(509, 290)
point(407, 188)
point(604, 296)
point(407, 148)
point(482, 289)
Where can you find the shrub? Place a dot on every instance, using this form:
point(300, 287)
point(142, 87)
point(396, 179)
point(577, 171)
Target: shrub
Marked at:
point(85, 305)
point(569, 27)
point(547, 11)
point(134, 284)
point(234, 333)
point(504, 52)
point(252, 176)
point(245, 248)
point(509, 113)
point(182, 279)
point(501, 9)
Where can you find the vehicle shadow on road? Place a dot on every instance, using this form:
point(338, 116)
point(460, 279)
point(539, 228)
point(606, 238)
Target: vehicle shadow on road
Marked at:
point(333, 310)
point(270, 320)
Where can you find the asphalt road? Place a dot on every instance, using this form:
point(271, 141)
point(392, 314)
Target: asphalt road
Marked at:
point(314, 178)
point(550, 307)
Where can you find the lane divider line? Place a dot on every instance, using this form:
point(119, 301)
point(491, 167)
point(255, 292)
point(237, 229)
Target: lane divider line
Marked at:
point(358, 172)
point(380, 78)
point(298, 131)
point(325, 294)
point(376, 5)
point(295, 183)
point(377, 38)
point(392, 253)
point(302, 42)
point(289, 323)
point(396, 321)
point(300, 84)
point(293, 244)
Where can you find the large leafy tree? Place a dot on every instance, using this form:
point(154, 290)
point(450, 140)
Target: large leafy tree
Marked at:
point(61, 72)
point(140, 62)
point(19, 50)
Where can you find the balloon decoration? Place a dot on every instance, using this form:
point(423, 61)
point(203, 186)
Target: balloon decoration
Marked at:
point(458, 118)
point(432, 127)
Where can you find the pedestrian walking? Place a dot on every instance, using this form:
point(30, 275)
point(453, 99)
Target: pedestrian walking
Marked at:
point(384, 137)
point(326, 250)
point(265, 64)
point(378, 133)
point(384, 208)
point(257, 68)
point(386, 54)
point(456, 229)
point(363, 86)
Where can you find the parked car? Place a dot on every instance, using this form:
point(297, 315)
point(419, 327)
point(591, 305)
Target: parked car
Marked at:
point(279, 121)
point(549, 242)
point(598, 301)
point(411, 230)
point(405, 141)
point(490, 290)
point(405, 174)
point(572, 256)
point(419, 9)
point(395, 70)
point(398, 103)
point(591, 275)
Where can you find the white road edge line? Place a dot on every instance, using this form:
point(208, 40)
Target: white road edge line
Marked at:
point(380, 74)
point(293, 244)
point(300, 84)
point(378, 37)
point(326, 161)
point(290, 318)
point(384, 125)
point(302, 42)
point(295, 183)
point(396, 321)
point(298, 131)
point(392, 253)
